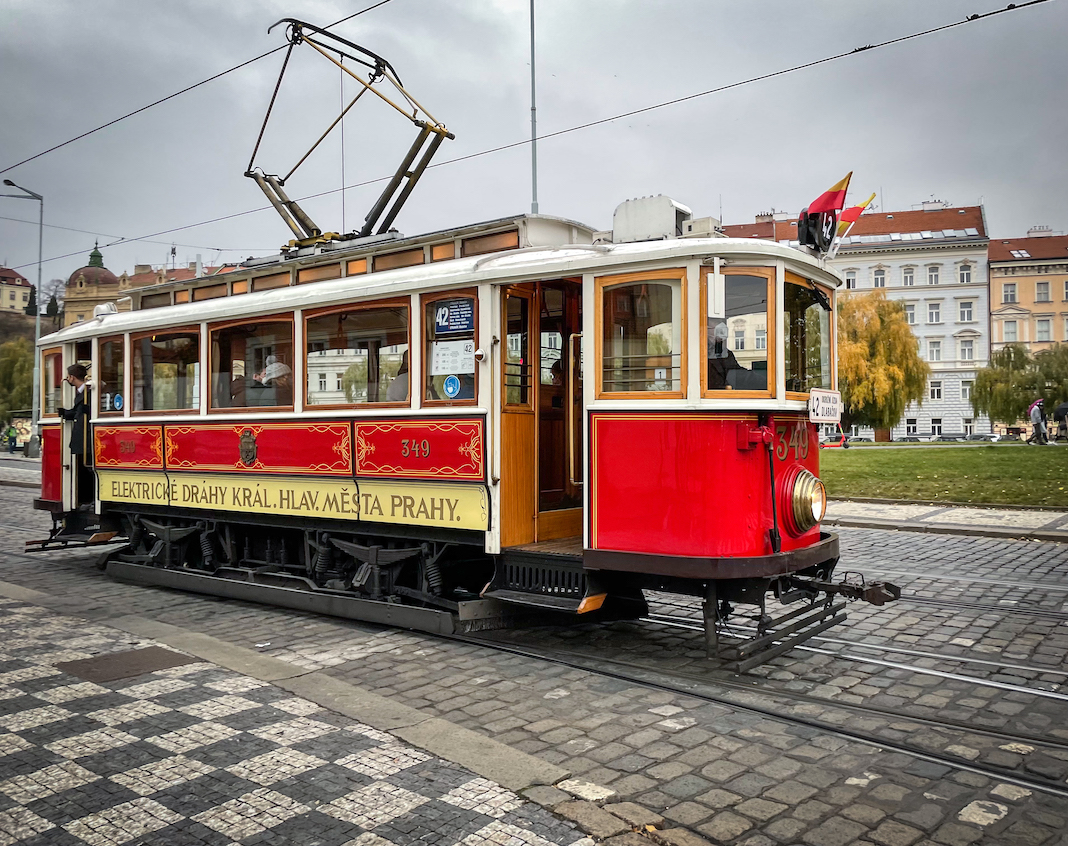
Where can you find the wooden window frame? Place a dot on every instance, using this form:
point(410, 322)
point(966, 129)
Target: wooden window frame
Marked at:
point(601, 284)
point(256, 409)
point(769, 274)
point(395, 302)
point(193, 329)
point(530, 295)
point(121, 340)
point(424, 300)
point(795, 279)
point(44, 373)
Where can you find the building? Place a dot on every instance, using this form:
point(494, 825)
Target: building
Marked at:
point(934, 261)
point(94, 284)
point(87, 288)
point(14, 290)
point(1029, 290)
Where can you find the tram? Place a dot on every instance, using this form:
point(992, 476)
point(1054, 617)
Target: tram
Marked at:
point(463, 429)
point(432, 431)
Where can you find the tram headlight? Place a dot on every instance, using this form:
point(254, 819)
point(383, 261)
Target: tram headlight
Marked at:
point(809, 498)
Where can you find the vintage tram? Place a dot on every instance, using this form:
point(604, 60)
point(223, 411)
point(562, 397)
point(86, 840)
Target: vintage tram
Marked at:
point(436, 431)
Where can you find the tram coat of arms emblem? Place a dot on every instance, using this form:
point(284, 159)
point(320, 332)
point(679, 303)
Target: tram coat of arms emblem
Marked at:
point(247, 447)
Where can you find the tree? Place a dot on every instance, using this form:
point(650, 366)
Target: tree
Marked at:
point(31, 306)
point(16, 377)
point(1015, 379)
point(879, 366)
point(52, 310)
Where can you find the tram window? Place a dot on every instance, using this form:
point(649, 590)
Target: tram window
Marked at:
point(53, 381)
point(367, 349)
point(166, 371)
point(252, 365)
point(517, 368)
point(642, 336)
point(111, 386)
point(736, 332)
point(450, 349)
point(808, 339)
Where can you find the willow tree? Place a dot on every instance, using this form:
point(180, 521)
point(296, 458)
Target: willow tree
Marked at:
point(879, 366)
point(1014, 379)
point(16, 376)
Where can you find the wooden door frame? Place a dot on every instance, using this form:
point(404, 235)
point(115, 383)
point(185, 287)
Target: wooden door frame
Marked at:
point(519, 431)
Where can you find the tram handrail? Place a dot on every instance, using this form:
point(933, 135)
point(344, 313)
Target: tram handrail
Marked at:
point(570, 415)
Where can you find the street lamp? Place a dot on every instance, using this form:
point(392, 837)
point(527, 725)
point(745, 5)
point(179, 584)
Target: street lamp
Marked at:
point(33, 447)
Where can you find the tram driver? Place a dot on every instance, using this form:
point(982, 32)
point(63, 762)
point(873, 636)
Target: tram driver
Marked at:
point(721, 359)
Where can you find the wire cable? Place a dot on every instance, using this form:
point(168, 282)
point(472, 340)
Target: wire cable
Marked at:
point(866, 48)
point(177, 94)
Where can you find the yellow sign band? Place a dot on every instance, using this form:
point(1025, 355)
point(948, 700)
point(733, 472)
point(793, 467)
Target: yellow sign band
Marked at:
point(454, 506)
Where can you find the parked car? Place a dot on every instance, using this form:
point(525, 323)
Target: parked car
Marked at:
point(907, 439)
point(951, 436)
point(859, 440)
point(988, 437)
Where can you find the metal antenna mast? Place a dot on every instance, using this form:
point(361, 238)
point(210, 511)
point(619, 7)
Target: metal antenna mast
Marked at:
point(533, 123)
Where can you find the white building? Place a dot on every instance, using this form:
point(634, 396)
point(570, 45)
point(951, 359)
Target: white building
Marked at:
point(934, 261)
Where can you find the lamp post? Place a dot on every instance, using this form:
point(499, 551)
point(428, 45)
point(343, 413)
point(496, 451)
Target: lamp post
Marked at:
point(33, 447)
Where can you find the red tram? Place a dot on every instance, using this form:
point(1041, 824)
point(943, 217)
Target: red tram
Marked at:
point(434, 431)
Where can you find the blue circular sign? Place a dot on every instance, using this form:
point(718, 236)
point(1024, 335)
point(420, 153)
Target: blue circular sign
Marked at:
point(116, 401)
point(451, 386)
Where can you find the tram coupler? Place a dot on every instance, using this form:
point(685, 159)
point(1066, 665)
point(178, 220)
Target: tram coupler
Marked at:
point(792, 588)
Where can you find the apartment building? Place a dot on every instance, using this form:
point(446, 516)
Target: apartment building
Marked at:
point(1029, 290)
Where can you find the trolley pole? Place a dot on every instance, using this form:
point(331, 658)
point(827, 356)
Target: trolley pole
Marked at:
point(533, 123)
point(33, 447)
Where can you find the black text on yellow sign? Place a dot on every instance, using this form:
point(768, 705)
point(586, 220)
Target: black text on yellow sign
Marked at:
point(454, 506)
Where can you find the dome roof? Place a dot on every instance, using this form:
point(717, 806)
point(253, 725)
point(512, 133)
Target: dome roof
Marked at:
point(94, 273)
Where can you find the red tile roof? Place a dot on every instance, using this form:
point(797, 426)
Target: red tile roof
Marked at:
point(1050, 247)
point(13, 277)
point(177, 274)
point(874, 223)
point(884, 223)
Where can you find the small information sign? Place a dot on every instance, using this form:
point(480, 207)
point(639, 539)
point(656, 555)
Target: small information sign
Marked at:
point(450, 357)
point(454, 316)
point(824, 406)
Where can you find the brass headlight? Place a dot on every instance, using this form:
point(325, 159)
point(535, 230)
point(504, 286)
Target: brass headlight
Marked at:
point(809, 498)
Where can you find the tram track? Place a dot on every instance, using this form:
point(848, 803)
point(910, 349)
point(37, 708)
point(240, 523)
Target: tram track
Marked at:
point(694, 625)
point(701, 688)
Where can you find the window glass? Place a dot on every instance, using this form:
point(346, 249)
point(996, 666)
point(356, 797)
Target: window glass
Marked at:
point(53, 382)
point(1008, 292)
point(1042, 292)
point(450, 349)
point(166, 370)
point(907, 277)
point(737, 346)
point(934, 350)
point(366, 350)
point(965, 275)
point(880, 278)
point(808, 339)
point(517, 369)
point(934, 313)
point(110, 386)
point(1042, 331)
point(642, 337)
point(1009, 331)
point(966, 389)
point(967, 350)
point(851, 279)
point(965, 312)
point(910, 314)
point(932, 276)
point(252, 365)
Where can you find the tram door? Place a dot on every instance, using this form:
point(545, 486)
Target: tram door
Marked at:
point(541, 413)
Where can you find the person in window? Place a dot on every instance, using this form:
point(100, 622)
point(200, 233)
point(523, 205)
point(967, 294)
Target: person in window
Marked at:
point(277, 383)
point(720, 359)
point(398, 388)
point(238, 385)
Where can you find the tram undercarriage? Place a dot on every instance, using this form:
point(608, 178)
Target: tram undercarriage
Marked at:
point(448, 586)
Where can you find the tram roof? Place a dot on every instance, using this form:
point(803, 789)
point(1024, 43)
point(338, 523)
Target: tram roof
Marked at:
point(501, 268)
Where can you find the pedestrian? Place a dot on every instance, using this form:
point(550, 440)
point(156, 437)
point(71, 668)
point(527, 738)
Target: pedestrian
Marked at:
point(12, 437)
point(1038, 422)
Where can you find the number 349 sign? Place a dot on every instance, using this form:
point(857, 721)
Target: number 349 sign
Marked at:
point(824, 406)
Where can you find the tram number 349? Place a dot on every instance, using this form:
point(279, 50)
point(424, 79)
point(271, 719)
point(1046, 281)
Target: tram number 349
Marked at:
point(798, 441)
point(415, 449)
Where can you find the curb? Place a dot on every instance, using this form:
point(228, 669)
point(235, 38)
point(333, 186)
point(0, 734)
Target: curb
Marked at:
point(1006, 533)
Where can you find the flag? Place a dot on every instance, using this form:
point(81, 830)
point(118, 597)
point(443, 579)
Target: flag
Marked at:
point(831, 200)
point(851, 215)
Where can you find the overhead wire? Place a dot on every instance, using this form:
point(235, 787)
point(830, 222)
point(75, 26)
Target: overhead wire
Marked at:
point(719, 89)
point(177, 93)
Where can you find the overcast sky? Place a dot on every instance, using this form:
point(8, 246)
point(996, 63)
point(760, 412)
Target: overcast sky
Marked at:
point(973, 114)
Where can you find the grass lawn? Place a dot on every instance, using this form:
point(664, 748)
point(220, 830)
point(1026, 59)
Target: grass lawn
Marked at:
point(1006, 474)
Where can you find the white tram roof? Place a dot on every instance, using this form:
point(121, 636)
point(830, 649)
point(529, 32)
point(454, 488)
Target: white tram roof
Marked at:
point(501, 268)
